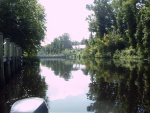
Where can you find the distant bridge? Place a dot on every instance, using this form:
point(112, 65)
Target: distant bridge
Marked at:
point(63, 56)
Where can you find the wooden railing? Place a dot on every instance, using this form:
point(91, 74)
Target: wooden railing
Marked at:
point(10, 59)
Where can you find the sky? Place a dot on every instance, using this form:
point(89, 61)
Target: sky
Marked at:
point(62, 92)
point(66, 16)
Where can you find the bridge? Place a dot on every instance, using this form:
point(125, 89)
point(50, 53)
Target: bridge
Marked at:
point(10, 59)
point(62, 56)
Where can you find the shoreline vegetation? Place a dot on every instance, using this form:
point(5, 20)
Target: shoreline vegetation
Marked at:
point(128, 54)
point(119, 30)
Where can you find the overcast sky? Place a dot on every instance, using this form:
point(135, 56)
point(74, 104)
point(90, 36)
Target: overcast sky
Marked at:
point(66, 16)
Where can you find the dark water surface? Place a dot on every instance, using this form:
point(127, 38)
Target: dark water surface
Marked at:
point(97, 86)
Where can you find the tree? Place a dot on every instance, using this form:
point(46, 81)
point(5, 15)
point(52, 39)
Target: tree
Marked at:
point(145, 17)
point(66, 42)
point(116, 23)
point(129, 19)
point(103, 18)
point(23, 21)
point(82, 41)
point(59, 44)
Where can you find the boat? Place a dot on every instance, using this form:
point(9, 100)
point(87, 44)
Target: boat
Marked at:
point(30, 105)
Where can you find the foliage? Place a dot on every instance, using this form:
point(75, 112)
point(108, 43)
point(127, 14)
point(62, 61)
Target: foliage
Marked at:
point(62, 45)
point(127, 54)
point(105, 47)
point(23, 22)
point(58, 45)
point(118, 25)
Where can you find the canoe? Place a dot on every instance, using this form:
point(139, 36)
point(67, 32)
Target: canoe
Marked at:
point(30, 105)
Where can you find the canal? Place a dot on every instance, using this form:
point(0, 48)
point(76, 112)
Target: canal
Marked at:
point(85, 86)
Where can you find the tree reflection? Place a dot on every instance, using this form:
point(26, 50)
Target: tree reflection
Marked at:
point(61, 68)
point(119, 87)
point(32, 83)
point(26, 83)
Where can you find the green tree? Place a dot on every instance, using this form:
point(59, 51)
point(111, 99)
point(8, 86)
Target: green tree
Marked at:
point(59, 44)
point(66, 42)
point(145, 17)
point(103, 18)
point(117, 23)
point(23, 21)
point(129, 19)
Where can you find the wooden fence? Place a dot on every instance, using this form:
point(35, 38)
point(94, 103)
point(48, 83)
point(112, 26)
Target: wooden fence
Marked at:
point(10, 59)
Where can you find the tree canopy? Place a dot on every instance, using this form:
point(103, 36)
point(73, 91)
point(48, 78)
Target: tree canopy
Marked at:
point(58, 45)
point(119, 25)
point(61, 45)
point(23, 21)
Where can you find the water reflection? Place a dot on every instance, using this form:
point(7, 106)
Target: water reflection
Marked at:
point(99, 86)
point(26, 83)
point(119, 86)
point(33, 84)
point(61, 68)
point(66, 90)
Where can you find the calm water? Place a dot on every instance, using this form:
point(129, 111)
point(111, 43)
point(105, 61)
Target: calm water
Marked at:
point(67, 86)
point(95, 86)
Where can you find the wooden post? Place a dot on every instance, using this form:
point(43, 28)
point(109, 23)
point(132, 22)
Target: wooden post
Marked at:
point(17, 56)
point(11, 49)
point(12, 57)
point(2, 78)
point(7, 55)
point(20, 57)
point(1, 47)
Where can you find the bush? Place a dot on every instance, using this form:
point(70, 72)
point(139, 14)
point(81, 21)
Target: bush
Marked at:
point(98, 55)
point(127, 54)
